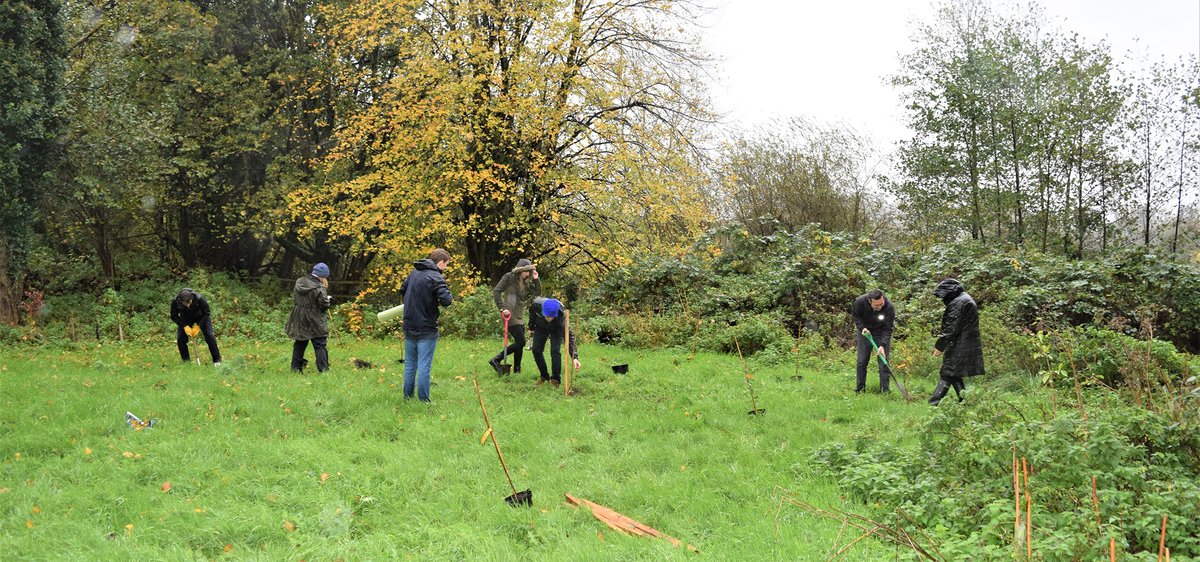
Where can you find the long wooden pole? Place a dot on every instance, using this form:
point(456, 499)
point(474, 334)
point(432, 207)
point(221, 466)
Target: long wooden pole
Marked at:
point(492, 434)
point(1162, 539)
point(1016, 500)
point(569, 359)
point(1028, 511)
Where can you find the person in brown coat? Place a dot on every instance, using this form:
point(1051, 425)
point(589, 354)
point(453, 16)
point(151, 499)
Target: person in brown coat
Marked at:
point(513, 294)
point(308, 322)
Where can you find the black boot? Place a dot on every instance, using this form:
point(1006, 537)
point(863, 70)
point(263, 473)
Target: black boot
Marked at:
point(940, 392)
point(959, 387)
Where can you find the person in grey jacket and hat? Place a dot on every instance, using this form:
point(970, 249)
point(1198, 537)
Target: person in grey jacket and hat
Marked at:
point(513, 294)
point(958, 342)
point(308, 322)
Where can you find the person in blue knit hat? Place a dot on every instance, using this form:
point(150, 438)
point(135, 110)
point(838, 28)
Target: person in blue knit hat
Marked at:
point(546, 321)
point(308, 322)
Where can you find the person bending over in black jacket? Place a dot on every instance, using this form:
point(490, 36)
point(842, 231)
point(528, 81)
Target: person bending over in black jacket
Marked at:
point(190, 313)
point(546, 321)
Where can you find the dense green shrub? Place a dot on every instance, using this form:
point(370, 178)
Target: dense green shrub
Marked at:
point(957, 481)
point(472, 316)
point(808, 279)
point(140, 309)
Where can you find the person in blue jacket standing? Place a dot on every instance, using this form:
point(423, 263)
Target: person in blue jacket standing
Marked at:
point(424, 290)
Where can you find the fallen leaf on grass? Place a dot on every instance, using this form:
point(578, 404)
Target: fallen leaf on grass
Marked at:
point(324, 476)
point(37, 509)
point(87, 450)
point(166, 487)
point(29, 523)
point(229, 548)
point(460, 378)
point(289, 526)
point(127, 455)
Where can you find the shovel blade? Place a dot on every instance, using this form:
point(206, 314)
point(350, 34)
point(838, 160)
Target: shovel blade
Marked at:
point(524, 498)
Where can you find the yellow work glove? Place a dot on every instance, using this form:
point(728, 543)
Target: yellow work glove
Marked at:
point(192, 331)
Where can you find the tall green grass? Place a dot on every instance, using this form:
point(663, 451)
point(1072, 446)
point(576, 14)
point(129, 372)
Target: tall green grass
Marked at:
point(264, 464)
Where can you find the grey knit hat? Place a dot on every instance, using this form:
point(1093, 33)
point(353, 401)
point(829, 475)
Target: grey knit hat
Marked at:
point(523, 265)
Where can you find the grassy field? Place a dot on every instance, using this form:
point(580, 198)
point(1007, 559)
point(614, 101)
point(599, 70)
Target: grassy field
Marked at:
point(263, 464)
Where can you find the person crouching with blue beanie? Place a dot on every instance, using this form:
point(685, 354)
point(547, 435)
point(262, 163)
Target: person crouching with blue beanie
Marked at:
point(546, 321)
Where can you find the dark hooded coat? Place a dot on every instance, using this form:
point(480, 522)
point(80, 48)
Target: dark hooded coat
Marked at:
point(308, 320)
point(959, 338)
point(188, 315)
point(423, 290)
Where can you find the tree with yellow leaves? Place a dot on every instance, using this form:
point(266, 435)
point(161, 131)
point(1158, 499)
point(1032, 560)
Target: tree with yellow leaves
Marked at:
point(561, 130)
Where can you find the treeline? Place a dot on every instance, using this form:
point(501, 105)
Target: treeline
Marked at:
point(255, 138)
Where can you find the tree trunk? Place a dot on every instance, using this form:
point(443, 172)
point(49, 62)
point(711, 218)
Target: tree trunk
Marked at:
point(1149, 191)
point(1019, 200)
point(10, 289)
point(1179, 196)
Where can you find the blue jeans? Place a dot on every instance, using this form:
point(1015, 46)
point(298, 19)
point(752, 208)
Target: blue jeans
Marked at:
point(419, 352)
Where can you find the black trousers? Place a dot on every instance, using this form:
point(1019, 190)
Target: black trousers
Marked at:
point(181, 340)
point(864, 359)
point(319, 350)
point(944, 385)
point(516, 346)
point(539, 345)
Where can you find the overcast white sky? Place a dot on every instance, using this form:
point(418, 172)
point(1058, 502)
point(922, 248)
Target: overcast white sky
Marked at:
point(828, 60)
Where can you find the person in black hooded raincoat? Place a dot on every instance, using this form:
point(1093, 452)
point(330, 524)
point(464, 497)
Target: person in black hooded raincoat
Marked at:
point(958, 342)
point(308, 322)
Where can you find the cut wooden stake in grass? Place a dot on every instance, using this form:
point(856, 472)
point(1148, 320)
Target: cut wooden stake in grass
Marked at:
point(1028, 511)
point(1016, 501)
point(1162, 539)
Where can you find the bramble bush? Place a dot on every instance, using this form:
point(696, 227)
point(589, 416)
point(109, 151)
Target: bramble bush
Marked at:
point(957, 481)
point(808, 279)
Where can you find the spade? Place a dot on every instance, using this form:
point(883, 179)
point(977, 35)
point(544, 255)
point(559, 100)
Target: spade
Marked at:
point(883, 358)
point(517, 498)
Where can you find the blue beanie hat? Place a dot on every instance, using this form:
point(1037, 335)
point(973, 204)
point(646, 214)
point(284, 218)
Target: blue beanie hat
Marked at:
point(550, 308)
point(321, 270)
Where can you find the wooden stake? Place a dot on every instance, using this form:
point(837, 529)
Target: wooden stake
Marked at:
point(746, 374)
point(1028, 511)
point(570, 360)
point(1016, 499)
point(1162, 539)
point(1112, 550)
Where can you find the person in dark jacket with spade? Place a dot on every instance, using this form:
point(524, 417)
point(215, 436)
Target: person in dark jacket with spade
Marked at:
point(192, 317)
point(875, 316)
point(958, 341)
